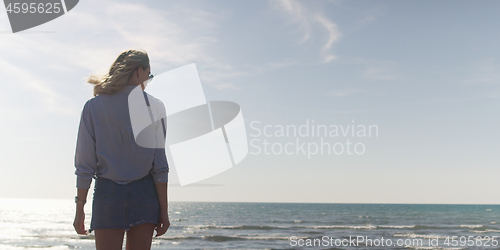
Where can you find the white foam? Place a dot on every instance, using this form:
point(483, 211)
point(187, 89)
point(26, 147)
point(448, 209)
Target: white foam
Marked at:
point(344, 227)
point(472, 226)
point(393, 226)
point(424, 236)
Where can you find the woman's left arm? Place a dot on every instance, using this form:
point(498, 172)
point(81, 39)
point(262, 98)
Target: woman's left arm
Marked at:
point(85, 164)
point(162, 190)
point(79, 223)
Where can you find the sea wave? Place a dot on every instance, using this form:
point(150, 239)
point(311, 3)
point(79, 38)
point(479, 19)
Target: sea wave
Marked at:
point(424, 236)
point(487, 231)
point(222, 238)
point(472, 226)
point(395, 226)
point(435, 248)
point(353, 227)
point(239, 227)
point(342, 227)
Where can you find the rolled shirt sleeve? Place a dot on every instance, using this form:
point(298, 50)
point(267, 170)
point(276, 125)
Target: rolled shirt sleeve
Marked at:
point(85, 156)
point(160, 167)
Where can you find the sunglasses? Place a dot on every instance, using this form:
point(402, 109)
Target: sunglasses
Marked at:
point(150, 77)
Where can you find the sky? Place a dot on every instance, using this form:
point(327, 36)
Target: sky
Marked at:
point(425, 76)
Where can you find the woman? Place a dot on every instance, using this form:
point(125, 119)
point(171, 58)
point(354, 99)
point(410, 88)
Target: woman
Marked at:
point(130, 193)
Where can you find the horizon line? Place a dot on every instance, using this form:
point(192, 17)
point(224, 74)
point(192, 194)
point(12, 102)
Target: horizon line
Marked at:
point(276, 202)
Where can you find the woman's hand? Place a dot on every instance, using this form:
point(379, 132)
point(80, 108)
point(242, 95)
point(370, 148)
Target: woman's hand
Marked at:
point(162, 227)
point(79, 223)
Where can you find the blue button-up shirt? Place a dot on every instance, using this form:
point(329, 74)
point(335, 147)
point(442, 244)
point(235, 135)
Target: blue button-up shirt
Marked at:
point(106, 146)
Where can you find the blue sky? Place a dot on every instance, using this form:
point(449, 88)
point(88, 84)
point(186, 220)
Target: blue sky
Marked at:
point(427, 73)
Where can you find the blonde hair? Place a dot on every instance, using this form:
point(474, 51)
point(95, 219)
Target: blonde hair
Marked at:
point(120, 72)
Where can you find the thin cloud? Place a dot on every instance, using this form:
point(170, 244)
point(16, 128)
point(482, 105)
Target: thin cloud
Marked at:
point(305, 19)
point(331, 27)
point(51, 100)
point(298, 15)
point(98, 35)
point(172, 37)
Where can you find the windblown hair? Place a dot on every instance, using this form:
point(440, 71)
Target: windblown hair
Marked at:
point(120, 72)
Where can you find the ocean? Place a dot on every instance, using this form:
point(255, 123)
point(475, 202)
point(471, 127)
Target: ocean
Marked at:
point(48, 224)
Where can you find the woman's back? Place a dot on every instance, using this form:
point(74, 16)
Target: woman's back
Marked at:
point(117, 155)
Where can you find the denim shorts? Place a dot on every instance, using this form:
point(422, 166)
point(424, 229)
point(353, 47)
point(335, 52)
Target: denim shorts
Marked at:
point(124, 206)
